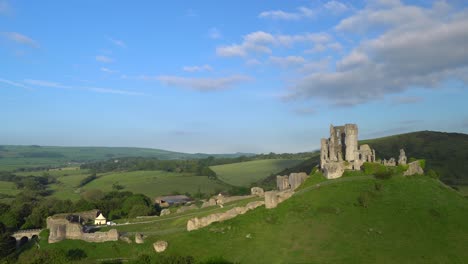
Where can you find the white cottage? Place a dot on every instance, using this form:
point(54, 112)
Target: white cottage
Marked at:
point(100, 220)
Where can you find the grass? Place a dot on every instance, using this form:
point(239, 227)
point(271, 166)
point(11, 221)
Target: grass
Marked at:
point(406, 220)
point(155, 183)
point(14, 157)
point(246, 173)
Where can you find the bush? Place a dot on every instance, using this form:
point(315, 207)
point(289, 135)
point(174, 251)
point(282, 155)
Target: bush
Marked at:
point(383, 175)
point(373, 168)
point(378, 186)
point(422, 163)
point(433, 174)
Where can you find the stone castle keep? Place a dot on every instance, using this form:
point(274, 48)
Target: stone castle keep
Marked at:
point(341, 151)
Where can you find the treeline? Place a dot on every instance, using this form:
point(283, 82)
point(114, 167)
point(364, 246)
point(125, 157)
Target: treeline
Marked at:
point(37, 183)
point(197, 166)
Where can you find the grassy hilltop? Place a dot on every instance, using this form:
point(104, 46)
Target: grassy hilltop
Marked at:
point(400, 220)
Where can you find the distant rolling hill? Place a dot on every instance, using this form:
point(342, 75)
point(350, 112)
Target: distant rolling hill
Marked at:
point(12, 157)
point(446, 153)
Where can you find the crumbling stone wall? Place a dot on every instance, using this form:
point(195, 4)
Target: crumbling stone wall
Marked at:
point(60, 228)
point(196, 223)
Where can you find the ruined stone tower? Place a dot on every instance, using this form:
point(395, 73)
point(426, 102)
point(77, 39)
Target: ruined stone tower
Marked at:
point(341, 151)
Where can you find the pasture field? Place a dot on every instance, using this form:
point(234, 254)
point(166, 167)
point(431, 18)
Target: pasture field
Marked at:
point(406, 219)
point(246, 173)
point(155, 183)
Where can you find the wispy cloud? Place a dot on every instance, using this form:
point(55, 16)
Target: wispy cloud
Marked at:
point(302, 12)
point(107, 70)
point(20, 39)
point(12, 83)
point(201, 84)
point(104, 59)
point(214, 33)
point(49, 84)
point(336, 7)
point(201, 68)
point(112, 91)
point(261, 42)
point(117, 42)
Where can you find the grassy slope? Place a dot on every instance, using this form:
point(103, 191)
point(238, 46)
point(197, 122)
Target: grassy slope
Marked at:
point(410, 220)
point(154, 183)
point(444, 152)
point(245, 173)
point(12, 157)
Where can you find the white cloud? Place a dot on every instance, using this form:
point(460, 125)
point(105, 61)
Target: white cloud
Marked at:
point(50, 84)
point(12, 83)
point(252, 62)
point(423, 51)
point(201, 68)
point(20, 38)
point(336, 7)
point(302, 12)
point(117, 42)
point(286, 62)
point(214, 33)
point(261, 42)
point(107, 70)
point(201, 84)
point(112, 91)
point(104, 59)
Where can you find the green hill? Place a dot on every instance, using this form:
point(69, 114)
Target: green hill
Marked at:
point(245, 173)
point(348, 220)
point(443, 152)
point(13, 157)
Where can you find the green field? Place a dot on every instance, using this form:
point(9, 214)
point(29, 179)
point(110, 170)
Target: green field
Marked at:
point(154, 183)
point(405, 220)
point(14, 157)
point(245, 173)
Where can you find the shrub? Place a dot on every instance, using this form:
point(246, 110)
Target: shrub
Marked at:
point(433, 174)
point(422, 163)
point(383, 175)
point(378, 186)
point(372, 168)
point(364, 199)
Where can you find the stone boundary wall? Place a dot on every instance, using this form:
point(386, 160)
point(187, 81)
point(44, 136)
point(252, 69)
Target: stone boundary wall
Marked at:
point(196, 223)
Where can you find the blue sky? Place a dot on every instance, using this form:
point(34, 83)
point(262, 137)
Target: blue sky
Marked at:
point(219, 76)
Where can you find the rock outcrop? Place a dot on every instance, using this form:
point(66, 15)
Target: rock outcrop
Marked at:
point(210, 202)
point(333, 170)
point(165, 212)
point(413, 168)
point(139, 239)
point(160, 246)
point(186, 208)
point(257, 191)
point(196, 223)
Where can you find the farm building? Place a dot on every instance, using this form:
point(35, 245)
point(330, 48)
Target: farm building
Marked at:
point(166, 201)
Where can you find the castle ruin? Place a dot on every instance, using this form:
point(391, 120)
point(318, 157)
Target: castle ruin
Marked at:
point(341, 151)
